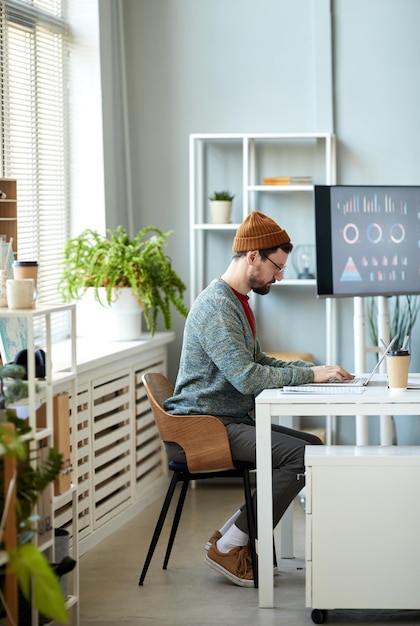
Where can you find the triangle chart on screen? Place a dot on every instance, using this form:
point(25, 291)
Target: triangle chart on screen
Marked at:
point(350, 272)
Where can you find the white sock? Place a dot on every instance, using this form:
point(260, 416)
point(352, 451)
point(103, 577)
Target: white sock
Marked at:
point(233, 538)
point(230, 521)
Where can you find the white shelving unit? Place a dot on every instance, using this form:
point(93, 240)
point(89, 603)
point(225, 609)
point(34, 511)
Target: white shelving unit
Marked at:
point(36, 324)
point(239, 162)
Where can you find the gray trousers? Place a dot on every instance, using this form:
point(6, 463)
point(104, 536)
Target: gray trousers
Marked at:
point(288, 451)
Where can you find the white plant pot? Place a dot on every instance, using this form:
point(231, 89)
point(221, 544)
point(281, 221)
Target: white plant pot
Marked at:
point(120, 321)
point(220, 211)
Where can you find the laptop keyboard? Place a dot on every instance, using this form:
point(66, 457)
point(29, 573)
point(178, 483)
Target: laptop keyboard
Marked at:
point(354, 381)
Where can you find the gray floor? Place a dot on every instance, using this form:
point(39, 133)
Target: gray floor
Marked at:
point(189, 593)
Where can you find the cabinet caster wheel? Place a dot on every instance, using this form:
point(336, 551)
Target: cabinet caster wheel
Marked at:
point(318, 616)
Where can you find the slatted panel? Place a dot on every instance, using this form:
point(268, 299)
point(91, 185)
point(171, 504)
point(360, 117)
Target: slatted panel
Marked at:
point(63, 514)
point(112, 408)
point(84, 462)
point(119, 452)
point(148, 444)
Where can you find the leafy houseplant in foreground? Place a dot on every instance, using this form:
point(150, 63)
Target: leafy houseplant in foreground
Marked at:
point(36, 577)
point(116, 261)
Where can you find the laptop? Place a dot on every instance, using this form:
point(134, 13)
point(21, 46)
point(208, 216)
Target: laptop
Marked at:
point(360, 381)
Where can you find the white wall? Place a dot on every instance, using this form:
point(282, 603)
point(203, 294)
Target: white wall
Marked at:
point(263, 66)
point(212, 67)
point(377, 89)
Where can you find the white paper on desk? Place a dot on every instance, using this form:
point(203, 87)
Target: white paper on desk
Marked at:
point(324, 389)
point(413, 383)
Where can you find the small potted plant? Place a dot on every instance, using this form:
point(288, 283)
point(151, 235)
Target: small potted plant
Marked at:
point(114, 266)
point(221, 207)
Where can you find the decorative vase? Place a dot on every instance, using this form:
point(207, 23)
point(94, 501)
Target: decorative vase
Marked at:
point(220, 211)
point(120, 321)
point(303, 261)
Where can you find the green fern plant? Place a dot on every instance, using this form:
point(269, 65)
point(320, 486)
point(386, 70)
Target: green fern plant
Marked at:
point(115, 261)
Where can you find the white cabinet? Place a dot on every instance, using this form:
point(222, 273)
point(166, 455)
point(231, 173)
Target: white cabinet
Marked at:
point(119, 453)
point(362, 528)
point(239, 162)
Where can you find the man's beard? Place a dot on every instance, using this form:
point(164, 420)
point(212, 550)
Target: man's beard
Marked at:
point(256, 287)
point(262, 291)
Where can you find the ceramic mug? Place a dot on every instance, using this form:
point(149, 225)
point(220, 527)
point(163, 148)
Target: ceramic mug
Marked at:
point(20, 293)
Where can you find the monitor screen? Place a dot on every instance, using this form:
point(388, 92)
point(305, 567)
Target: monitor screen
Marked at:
point(367, 240)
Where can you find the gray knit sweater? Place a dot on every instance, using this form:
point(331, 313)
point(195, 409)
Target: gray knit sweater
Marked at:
point(222, 367)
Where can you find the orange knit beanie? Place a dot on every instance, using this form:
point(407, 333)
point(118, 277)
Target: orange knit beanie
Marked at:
point(258, 232)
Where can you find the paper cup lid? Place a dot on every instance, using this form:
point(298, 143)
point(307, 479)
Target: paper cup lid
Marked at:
point(25, 264)
point(398, 353)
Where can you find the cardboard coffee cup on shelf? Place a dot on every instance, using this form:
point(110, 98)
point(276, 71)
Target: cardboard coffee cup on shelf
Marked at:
point(26, 269)
point(397, 363)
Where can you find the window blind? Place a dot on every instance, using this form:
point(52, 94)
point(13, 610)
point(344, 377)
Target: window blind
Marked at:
point(34, 132)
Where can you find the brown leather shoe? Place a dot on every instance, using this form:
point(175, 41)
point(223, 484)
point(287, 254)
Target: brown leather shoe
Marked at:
point(215, 537)
point(234, 565)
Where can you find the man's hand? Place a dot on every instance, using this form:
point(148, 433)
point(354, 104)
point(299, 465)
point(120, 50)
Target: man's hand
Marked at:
point(330, 373)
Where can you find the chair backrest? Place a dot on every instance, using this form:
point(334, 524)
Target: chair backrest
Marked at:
point(203, 438)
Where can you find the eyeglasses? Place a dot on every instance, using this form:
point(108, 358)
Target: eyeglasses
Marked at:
point(278, 268)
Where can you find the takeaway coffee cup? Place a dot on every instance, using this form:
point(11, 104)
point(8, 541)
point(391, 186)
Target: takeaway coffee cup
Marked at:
point(397, 362)
point(20, 293)
point(26, 269)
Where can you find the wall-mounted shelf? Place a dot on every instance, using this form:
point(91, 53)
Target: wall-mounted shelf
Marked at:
point(298, 282)
point(281, 188)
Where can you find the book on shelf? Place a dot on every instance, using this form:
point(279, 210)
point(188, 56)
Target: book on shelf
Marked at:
point(287, 180)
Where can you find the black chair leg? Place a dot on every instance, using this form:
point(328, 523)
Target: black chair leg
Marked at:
point(274, 553)
point(175, 523)
point(159, 525)
point(251, 525)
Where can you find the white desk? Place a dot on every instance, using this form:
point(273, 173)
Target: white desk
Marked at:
point(375, 400)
